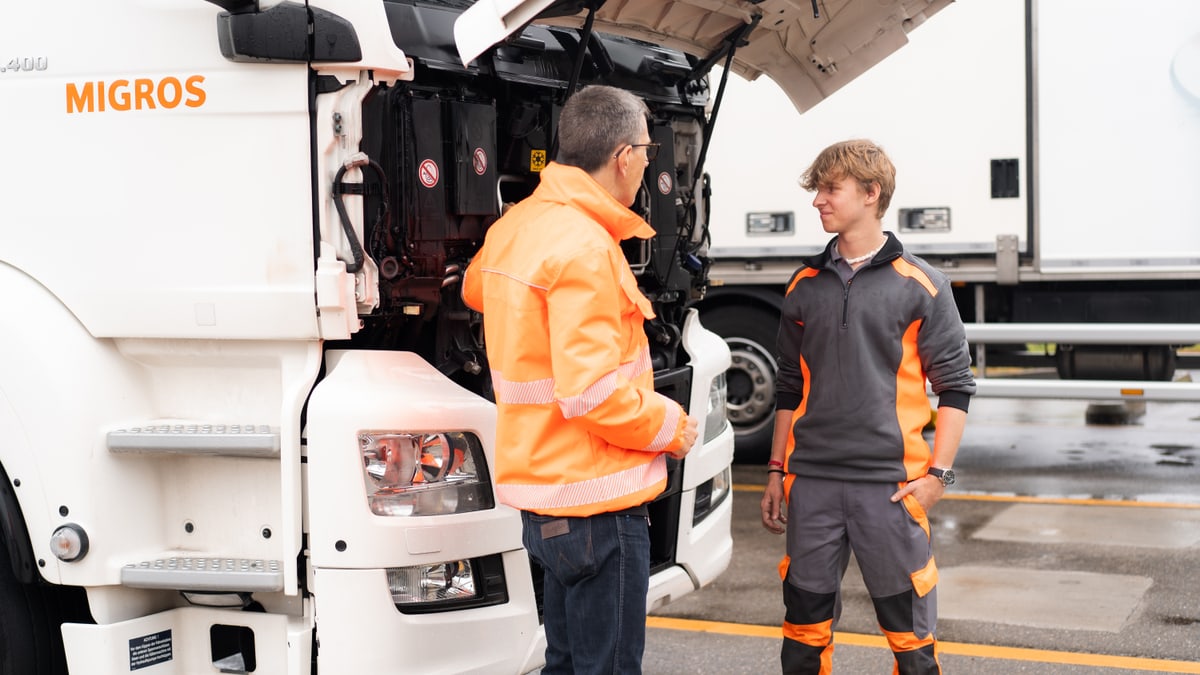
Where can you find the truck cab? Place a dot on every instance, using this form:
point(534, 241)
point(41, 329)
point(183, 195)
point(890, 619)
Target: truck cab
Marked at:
point(245, 418)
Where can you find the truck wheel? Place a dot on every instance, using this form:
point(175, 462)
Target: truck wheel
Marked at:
point(18, 624)
point(30, 618)
point(750, 333)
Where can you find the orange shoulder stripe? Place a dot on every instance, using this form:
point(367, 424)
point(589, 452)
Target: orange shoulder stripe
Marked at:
point(907, 269)
point(803, 274)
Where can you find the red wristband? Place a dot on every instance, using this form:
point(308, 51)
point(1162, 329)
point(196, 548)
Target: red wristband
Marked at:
point(775, 462)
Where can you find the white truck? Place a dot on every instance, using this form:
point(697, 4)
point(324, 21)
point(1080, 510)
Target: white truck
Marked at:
point(244, 416)
point(1047, 162)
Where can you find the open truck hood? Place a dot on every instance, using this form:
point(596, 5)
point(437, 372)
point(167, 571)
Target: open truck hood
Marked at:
point(811, 48)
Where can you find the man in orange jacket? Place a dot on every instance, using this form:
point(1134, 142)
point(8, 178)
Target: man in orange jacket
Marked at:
point(581, 435)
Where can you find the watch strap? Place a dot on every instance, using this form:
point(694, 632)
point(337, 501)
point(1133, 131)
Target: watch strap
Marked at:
point(944, 475)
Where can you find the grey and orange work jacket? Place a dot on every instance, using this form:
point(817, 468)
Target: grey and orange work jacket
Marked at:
point(854, 357)
point(580, 430)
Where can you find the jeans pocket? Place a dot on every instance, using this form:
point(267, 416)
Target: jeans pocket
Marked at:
point(569, 555)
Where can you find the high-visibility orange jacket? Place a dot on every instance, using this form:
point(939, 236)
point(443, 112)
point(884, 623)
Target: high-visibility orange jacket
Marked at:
point(580, 429)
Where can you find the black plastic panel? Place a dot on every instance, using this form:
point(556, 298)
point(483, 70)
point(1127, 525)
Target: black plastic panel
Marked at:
point(474, 185)
point(1006, 182)
point(281, 35)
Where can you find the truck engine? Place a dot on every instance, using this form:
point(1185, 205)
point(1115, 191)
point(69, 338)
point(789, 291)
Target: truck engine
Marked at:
point(450, 150)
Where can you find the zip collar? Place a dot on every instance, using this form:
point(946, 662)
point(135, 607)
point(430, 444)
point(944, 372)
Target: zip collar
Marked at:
point(891, 250)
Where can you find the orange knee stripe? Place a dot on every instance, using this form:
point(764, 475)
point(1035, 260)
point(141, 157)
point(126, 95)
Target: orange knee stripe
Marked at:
point(797, 656)
point(906, 642)
point(813, 634)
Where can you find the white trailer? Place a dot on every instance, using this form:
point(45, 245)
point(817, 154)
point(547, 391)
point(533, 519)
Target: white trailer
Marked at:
point(1046, 154)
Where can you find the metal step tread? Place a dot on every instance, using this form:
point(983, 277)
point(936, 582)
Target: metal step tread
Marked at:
point(205, 574)
point(241, 440)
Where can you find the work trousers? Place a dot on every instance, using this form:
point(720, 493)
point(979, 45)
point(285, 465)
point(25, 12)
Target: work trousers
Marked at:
point(829, 519)
point(597, 574)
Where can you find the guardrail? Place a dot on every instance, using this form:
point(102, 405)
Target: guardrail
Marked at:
point(1078, 334)
point(1090, 333)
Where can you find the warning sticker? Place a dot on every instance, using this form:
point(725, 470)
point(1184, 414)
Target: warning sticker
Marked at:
point(149, 650)
point(664, 183)
point(537, 160)
point(479, 160)
point(427, 173)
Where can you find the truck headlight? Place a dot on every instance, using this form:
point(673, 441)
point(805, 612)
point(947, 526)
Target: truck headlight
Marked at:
point(710, 494)
point(446, 581)
point(424, 474)
point(714, 415)
point(450, 585)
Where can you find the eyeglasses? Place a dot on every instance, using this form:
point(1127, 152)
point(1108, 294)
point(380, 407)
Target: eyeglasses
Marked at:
point(651, 150)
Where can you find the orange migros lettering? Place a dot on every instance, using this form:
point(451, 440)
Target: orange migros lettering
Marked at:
point(118, 95)
point(199, 96)
point(141, 93)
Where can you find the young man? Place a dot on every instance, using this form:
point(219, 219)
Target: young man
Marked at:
point(581, 435)
point(864, 324)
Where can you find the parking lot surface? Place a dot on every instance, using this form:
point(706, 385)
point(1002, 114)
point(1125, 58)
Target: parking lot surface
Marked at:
point(1066, 547)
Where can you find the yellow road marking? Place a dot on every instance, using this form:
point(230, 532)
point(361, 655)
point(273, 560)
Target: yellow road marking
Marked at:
point(957, 648)
point(1076, 501)
point(965, 649)
point(1069, 500)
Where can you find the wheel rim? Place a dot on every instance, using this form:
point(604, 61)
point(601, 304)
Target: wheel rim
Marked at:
point(750, 383)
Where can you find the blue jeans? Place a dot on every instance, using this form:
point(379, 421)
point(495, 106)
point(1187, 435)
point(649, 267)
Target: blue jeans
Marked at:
point(597, 576)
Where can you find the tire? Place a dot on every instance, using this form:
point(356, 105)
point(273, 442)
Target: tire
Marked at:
point(31, 615)
point(750, 333)
point(19, 621)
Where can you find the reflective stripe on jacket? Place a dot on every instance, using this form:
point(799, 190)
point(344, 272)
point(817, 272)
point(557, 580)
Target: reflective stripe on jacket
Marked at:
point(580, 429)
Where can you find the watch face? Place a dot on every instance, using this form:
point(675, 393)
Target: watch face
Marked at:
point(944, 475)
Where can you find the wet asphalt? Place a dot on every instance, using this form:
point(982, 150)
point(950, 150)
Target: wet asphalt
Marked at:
point(1066, 547)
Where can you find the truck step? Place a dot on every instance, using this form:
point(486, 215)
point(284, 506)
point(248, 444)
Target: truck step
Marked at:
point(205, 574)
point(235, 440)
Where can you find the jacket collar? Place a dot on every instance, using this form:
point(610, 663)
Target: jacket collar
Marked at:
point(572, 186)
point(891, 250)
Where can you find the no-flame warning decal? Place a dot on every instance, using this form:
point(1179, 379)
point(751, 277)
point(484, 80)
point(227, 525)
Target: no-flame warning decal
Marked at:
point(479, 160)
point(427, 173)
point(664, 183)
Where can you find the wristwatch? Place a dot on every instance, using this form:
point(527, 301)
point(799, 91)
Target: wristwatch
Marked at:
point(944, 475)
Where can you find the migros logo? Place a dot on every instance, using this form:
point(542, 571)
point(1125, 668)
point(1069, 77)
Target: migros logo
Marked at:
point(137, 94)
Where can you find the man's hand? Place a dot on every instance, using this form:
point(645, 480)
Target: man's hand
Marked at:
point(689, 438)
point(927, 489)
point(774, 509)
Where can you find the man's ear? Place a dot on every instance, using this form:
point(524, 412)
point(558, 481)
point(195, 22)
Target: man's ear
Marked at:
point(873, 192)
point(623, 159)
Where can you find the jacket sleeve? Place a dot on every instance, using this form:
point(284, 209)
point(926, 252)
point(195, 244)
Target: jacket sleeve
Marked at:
point(586, 307)
point(472, 286)
point(945, 356)
point(789, 387)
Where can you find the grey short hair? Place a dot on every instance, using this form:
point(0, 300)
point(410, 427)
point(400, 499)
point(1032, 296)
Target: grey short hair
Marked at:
point(596, 122)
